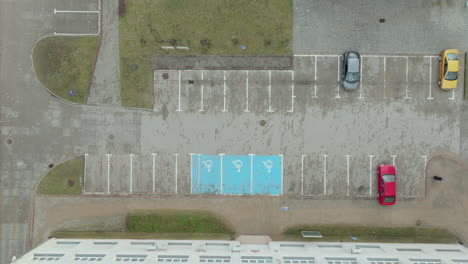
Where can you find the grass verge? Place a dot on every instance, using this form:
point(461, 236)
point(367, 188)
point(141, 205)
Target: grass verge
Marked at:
point(205, 26)
point(127, 235)
point(168, 221)
point(335, 233)
point(65, 179)
point(63, 64)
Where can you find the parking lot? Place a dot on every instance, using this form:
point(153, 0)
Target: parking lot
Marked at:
point(77, 18)
point(315, 79)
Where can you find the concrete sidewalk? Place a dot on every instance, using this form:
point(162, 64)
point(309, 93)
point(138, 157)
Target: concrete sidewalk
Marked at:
point(105, 88)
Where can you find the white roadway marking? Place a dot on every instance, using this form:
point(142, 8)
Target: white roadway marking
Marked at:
point(131, 172)
point(370, 174)
point(76, 11)
point(84, 174)
point(221, 155)
point(324, 174)
point(315, 77)
point(406, 89)
point(384, 75)
point(393, 160)
point(292, 92)
point(154, 175)
point(282, 171)
point(302, 174)
point(338, 79)
point(76, 34)
point(191, 171)
point(430, 80)
point(251, 172)
point(201, 92)
point(453, 95)
point(269, 92)
point(347, 173)
point(176, 171)
point(180, 79)
point(360, 78)
point(224, 89)
point(247, 91)
point(108, 172)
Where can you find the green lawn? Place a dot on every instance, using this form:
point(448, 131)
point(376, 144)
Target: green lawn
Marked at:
point(177, 222)
point(66, 63)
point(205, 26)
point(372, 234)
point(63, 179)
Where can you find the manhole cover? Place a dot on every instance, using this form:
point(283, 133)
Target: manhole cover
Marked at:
point(9, 141)
point(382, 20)
point(135, 67)
point(165, 76)
point(263, 122)
point(51, 165)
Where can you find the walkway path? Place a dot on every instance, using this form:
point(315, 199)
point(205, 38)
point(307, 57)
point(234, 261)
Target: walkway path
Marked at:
point(105, 88)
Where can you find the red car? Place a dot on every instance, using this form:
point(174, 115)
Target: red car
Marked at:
point(386, 179)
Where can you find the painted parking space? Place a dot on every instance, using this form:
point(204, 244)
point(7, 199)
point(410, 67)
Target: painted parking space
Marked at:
point(77, 18)
point(237, 175)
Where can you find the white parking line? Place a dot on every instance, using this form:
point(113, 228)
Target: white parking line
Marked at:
point(247, 91)
point(224, 99)
point(315, 78)
point(384, 75)
point(393, 160)
point(338, 79)
point(430, 80)
point(76, 11)
point(108, 172)
point(324, 174)
point(406, 89)
point(453, 95)
point(282, 172)
point(154, 174)
point(292, 92)
point(84, 173)
point(302, 174)
point(360, 77)
point(269, 92)
point(131, 173)
point(370, 174)
point(75, 34)
point(347, 173)
point(180, 79)
point(251, 172)
point(221, 156)
point(176, 171)
point(201, 92)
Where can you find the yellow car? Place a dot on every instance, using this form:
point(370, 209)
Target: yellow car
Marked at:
point(448, 75)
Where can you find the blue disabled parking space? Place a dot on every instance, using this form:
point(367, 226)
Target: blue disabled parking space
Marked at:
point(237, 174)
point(206, 174)
point(267, 175)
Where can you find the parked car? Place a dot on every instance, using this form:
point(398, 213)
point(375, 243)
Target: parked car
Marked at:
point(448, 74)
point(386, 181)
point(351, 70)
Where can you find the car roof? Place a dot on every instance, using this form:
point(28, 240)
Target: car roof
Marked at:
point(353, 64)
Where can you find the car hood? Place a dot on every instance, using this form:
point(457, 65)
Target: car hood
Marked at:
point(390, 189)
point(349, 85)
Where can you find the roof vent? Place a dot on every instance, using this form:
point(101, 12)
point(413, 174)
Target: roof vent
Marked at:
point(356, 250)
point(162, 246)
point(152, 248)
point(236, 248)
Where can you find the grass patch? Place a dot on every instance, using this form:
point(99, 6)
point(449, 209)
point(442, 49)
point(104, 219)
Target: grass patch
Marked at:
point(177, 222)
point(335, 233)
point(63, 179)
point(205, 26)
point(127, 235)
point(66, 63)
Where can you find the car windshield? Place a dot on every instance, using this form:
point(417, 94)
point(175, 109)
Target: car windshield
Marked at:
point(451, 76)
point(388, 178)
point(389, 199)
point(352, 77)
point(452, 56)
